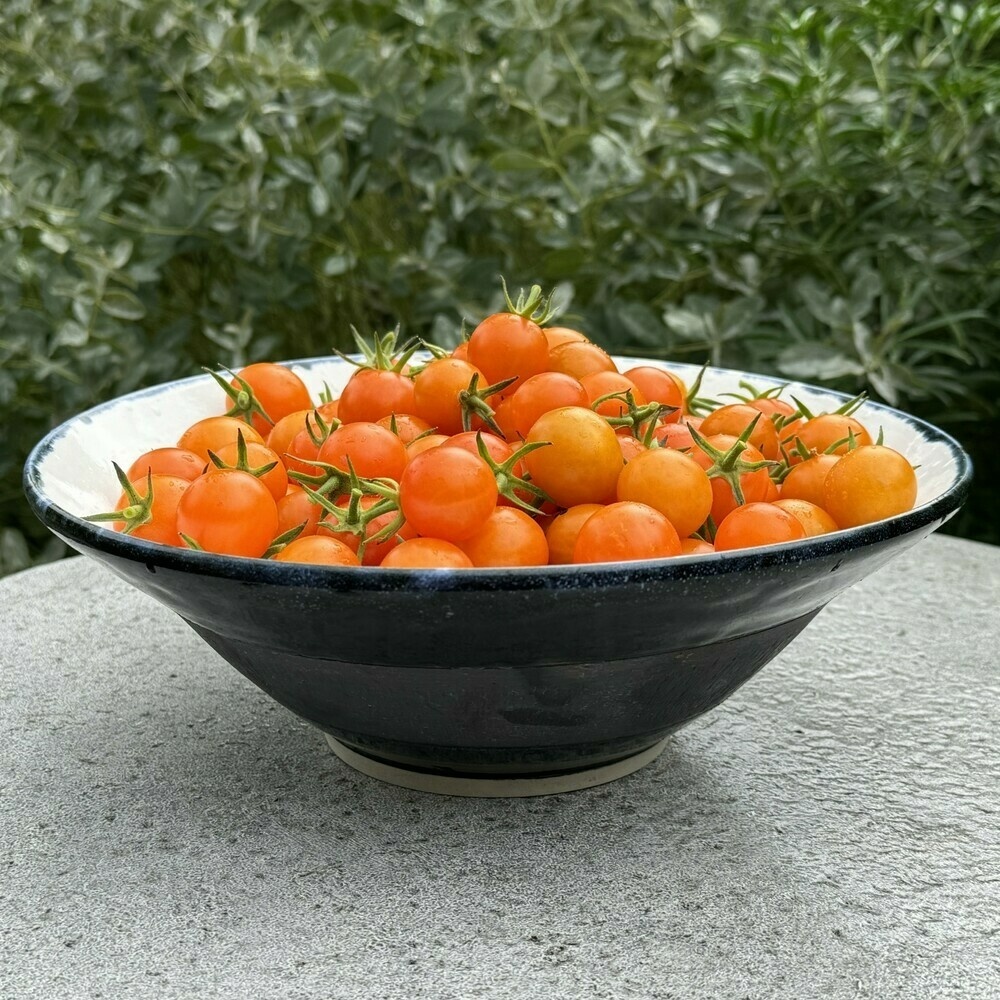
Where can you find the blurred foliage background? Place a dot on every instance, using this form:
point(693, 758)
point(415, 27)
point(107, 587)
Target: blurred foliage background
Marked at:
point(809, 191)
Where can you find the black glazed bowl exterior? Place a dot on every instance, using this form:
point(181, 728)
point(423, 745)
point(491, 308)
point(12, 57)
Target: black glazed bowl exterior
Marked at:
point(483, 672)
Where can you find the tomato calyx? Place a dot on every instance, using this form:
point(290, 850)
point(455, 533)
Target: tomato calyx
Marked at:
point(383, 353)
point(640, 420)
point(509, 483)
point(730, 465)
point(282, 540)
point(695, 404)
point(474, 403)
point(242, 460)
point(140, 508)
point(355, 517)
point(245, 402)
point(535, 306)
point(847, 409)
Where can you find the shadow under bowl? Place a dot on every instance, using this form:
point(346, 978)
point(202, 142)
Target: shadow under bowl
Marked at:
point(499, 674)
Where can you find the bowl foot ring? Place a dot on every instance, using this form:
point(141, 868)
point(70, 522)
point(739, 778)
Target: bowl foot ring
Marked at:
point(499, 787)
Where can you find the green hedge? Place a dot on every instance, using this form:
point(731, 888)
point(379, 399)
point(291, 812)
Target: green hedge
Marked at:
point(809, 191)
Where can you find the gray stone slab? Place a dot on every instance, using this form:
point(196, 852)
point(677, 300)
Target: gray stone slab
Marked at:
point(831, 830)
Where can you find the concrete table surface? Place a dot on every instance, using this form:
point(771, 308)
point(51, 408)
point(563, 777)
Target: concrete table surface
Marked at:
point(831, 830)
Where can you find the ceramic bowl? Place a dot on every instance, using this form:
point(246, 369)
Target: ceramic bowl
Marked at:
point(495, 675)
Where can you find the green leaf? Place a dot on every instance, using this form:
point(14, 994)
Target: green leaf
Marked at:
point(516, 160)
point(122, 304)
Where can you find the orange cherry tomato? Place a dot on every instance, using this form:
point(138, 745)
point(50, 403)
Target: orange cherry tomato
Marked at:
point(167, 462)
point(373, 451)
point(582, 459)
point(295, 508)
point(283, 433)
point(579, 358)
point(372, 393)
point(625, 531)
point(563, 529)
point(278, 390)
point(598, 384)
point(319, 550)
point(556, 336)
point(427, 553)
point(815, 520)
point(506, 345)
point(258, 455)
point(541, 393)
point(734, 418)
point(214, 433)
point(757, 524)
point(437, 389)
point(408, 426)
point(671, 482)
point(868, 484)
point(663, 387)
point(805, 480)
point(162, 525)
point(228, 512)
point(824, 431)
point(508, 538)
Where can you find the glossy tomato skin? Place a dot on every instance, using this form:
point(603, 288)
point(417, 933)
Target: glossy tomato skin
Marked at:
point(822, 432)
point(447, 493)
point(734, 418)
point(213, 433)
point(284, 432)
point(408, 426)
point(437, 388)
point(556, 336)
point(625, 531)
point(869, 484)
point(167, 462)
point(506, 345)
point(579, 358)
point(371, 394)
point(562, 531)
point(228, 512)
point(373, 451)
point(318, 550)
point(508, 538)
point(805, 481)
point(671, 482)
point(167, 493)
point(295, 508)
point(427, 553)
point(756, 524)
point(813, 519)
point(582, 459)
point(278, 390)
point(663, 387)
point(541, 393)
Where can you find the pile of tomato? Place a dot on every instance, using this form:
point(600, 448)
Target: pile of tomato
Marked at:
point(524, 446)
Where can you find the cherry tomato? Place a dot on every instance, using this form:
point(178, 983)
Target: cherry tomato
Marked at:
point(696, 547)
point(423, 444)
point(446, 493)
point(756, 485)
point(675, 435)
point(427, 553)
point(278, 390)
point(625, 531)
point(213, 433)
point(556, 336)
point(563, 529)
point(868, 484)
point(672, 483)
point(823, 431)
point(805, 481)
point(319, 550)
point(167, 462)
point(630, 446)
point(582, 461)
point(734, 419)
point(598, 384)
point(408, 426)
point(295, 508)
point(167, 493)
point(815, 520)
point(283, 433)
point(258, 455)
point(437, 388)
point(541, 393)
point(372, 393)
point(579, 358)
point(508, 538)
point(373, 451)
point(757, 524)
point(659, 386)
point(229, 512)
point(506, 345)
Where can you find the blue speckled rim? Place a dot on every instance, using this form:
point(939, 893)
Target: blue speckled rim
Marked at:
point(602, 575)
